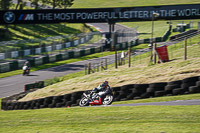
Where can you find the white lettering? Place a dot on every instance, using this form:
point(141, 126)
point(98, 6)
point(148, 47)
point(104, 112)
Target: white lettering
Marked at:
point(29, 17)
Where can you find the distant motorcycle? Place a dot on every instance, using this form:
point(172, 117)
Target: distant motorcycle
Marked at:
point(26, 70)
point(95, 99)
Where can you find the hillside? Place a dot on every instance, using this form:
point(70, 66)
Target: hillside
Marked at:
point(139, 73)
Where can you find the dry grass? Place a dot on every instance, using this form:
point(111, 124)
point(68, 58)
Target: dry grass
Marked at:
point(139, 73)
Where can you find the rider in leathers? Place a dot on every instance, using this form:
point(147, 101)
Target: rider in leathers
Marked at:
point(102, 87)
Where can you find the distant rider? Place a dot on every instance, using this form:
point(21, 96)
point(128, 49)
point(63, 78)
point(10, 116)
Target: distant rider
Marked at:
point(26, 66)
point(27, 63)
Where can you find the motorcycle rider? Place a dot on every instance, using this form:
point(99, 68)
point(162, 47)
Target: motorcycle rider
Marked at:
point(102, 87)
point(26, 66)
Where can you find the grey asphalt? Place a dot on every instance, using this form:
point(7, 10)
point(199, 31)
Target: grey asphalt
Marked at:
point(15, 84)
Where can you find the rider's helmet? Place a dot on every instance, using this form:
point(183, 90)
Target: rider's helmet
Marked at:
point(104, 84)
point(26, 63)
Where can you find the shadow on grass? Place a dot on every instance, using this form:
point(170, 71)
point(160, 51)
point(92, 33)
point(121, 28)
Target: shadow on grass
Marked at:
point(39, 31)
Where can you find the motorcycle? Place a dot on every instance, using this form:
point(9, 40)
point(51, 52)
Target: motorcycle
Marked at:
point(101, 98)
point(26, 70)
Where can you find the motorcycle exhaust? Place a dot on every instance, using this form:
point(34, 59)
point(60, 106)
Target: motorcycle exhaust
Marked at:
point(85, 95)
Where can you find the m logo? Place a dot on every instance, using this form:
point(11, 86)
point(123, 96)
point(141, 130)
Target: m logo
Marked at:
point(9, 17)
point(26, 17)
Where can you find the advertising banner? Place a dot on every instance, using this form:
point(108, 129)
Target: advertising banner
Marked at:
point(100, 15)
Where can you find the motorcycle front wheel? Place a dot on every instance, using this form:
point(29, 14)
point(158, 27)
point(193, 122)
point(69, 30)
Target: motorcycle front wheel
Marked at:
point(108, 100)
point(84, 102)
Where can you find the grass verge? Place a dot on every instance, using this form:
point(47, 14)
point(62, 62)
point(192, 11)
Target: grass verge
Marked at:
point(151, 119)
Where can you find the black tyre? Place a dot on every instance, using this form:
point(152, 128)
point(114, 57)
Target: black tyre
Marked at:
point(43, 106)
point(141, 87)
point(198, 83)
point(58, 105)
point(3, 104)
point(58, 99)
point(74, 99)
point(83, 102)
point(187, 85)
point(48, 99)
point(123, 94)
point(136, 91)
point(126, 91)
point(194, 89)
point(171, 87)
point(67, 97)
point(127, 87)
point(33, 104)
point(145, 95)
point(75, 95)
point(116, 89)
point(116, 93)
point(53, 105)
point(132, 95)
point(136, 98)
point(117, 98)
point(107, 100)
point(191, 79)
point(21, 105)
point(157, 85)
point(124, 99)
point(150, 89)
point(178, 91)
point(159, 93)
point(177, 82)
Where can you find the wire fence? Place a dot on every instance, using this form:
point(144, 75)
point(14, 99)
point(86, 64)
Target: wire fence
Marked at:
point(176, 48)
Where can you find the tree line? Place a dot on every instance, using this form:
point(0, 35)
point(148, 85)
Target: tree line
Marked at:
point(35, 4)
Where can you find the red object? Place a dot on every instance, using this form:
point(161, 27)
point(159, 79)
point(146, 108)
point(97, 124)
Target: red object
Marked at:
point(163, 53)
point(96, 102)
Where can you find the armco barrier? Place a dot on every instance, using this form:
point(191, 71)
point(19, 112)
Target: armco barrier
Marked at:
point(127, 92)
point(46, 47)
point(68, 54)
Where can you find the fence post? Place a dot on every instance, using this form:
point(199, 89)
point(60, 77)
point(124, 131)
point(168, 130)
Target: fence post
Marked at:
point(185, 52)
point(106, 64)
point(89, 68)
point(101, 66)
point(97, 67)
point(154, 53)
point(85, 69)
point(129, 57)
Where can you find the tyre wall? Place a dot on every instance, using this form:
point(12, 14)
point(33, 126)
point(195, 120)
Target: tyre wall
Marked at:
point(121, 93)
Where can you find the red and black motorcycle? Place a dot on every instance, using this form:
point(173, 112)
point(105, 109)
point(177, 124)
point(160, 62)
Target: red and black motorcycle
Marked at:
point(101, 98)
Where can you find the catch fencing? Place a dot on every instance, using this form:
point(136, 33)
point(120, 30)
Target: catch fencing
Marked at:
point(180, 42)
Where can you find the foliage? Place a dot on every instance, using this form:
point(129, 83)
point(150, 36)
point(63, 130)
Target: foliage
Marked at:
point(5, 4)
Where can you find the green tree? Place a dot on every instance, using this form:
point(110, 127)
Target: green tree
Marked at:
point(59, 3)
point(35, 3)
point(5, 4)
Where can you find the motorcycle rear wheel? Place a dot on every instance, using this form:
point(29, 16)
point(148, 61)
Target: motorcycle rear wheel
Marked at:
point(84, 102)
